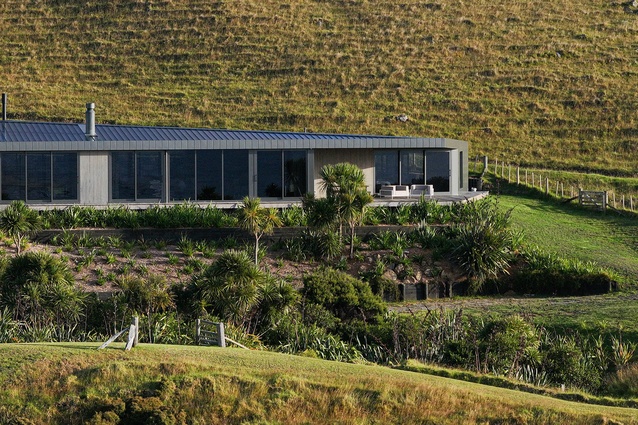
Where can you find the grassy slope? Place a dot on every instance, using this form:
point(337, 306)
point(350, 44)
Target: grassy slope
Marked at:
point(544, 83)
point(609, 240)
point(209, 385)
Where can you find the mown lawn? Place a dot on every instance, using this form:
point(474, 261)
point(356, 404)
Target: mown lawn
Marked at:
point(74, 383)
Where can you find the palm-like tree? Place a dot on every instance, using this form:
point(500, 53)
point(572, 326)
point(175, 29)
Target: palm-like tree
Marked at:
point(18, 221)
point(257, 220)
point(232, 287)
point(344, 184)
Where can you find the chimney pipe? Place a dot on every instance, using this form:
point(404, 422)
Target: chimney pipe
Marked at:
point(90, 134)
point(4, 106)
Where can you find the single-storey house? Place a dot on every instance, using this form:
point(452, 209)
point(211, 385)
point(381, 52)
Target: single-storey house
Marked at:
point(95, 164)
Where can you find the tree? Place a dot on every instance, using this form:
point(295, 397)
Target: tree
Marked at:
point(344, 184)
point(18, 222)
point(257, 220)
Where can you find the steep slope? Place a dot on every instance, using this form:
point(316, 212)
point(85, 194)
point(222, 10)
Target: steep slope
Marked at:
point(542, 83)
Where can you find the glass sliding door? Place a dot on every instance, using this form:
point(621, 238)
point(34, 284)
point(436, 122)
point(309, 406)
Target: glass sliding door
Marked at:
point(412, 163)
point(269, 174)
point(295, 174)
point(182, 175)
point(209, 175)
point(386, 168)
point(149, 175)
point(235, 174)
point(39, 177)
point(13, 176)
point(65, 176)
point(123, 175)
point(437, 170)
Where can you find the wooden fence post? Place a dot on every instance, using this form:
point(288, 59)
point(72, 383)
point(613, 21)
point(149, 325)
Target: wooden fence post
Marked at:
point(496, 167)
point(532, 179)
point(518, 175)
point(136, 323)
point(198, 330)
point(221, 338)
point(546, 185)
point(509, 172)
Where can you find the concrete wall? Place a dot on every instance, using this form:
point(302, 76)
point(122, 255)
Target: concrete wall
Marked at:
point(362, 158)
point(94, 178)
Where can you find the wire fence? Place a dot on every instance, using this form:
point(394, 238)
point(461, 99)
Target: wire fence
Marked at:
point(540, 180)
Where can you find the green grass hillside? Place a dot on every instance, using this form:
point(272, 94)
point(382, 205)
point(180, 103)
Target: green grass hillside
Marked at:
point(74, 383)
point(547, 84)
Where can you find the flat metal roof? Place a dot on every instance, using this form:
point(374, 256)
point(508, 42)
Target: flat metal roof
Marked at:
point(38, 136)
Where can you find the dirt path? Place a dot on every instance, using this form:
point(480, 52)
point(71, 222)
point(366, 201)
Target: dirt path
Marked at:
point(476, 303)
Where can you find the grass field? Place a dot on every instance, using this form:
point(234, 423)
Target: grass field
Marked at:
point(545, 84)
point(610, 240)
point(74, 383)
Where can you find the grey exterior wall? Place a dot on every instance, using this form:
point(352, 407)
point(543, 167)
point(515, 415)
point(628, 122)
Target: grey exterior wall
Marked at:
point(94, 178)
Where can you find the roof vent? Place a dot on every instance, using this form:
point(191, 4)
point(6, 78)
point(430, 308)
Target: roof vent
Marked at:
point(90, 134)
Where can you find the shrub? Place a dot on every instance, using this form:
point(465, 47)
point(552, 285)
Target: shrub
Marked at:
point(505, 344)
point(344, 296)
point(482, 244)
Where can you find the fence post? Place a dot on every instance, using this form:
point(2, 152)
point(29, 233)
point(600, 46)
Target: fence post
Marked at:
point(557, 189)
point(136, 323)
point(631, 202)
point(532, 179)
point(221, 337)
point(518, 175)
point(613, 198)
point(503, 169)
point(623, 201)
point(509, 172)
point(546, 185)
point(496, 167)
point(198, 329)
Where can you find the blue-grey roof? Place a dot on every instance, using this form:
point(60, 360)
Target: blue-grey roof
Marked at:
point(25, 131)
point(26, 135)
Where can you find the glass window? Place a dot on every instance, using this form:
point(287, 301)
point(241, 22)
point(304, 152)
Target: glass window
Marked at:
point(65, 176)
point(412, 162)
point(209, 175)
point(13, 176)
point(269, 174)
point(123, 175)
point(295, 173)
point(182, 175)
point(149, 175)
point(39, 176)
point(437, 170)
point(386, 166)
point(235, 174)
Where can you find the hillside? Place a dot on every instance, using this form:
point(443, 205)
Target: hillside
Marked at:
point(74, 383)
point(546, 84)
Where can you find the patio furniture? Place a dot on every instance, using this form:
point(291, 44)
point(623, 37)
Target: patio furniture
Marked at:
point(394, 191)
point(418, 190)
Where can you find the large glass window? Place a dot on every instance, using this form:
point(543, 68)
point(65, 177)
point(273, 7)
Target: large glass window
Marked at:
point(65, 176)
point(39, 176)
point(412, 163)
point(437, 169)
point(136, 175)
point(149, 175)
point(269, 178)
point(209, 175)
point(182, 175)
point(386, 168)
point(295, 174)
point(13, 176)
point(123, 175)
point(235, 174)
